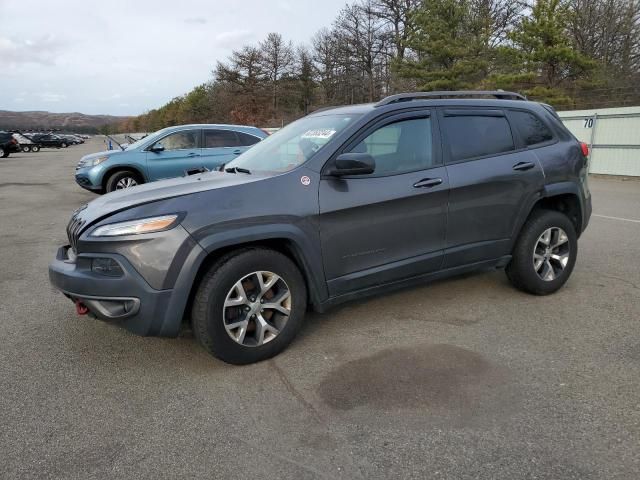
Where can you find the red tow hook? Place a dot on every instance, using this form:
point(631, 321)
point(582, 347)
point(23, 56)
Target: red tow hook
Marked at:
point(81, 308)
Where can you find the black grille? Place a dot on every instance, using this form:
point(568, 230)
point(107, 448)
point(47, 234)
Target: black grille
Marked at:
point(74, 228)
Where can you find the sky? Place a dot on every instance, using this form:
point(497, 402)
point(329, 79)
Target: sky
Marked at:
point(123, 57)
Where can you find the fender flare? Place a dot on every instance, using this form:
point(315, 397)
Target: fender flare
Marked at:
point(301, 247)
point(548, 191)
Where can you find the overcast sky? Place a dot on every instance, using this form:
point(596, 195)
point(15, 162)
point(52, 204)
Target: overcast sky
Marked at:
point(125, 57)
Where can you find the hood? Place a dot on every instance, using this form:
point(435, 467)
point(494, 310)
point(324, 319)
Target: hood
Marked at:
point(119, 200)
point(108, 153)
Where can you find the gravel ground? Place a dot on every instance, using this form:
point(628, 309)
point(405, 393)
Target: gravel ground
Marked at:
point(464, 378)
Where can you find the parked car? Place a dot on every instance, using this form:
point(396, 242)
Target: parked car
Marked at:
point(8, 144)
point(49, 140)
point(342, 204)
point(167, 153)
point(25, 143)
point(72, 139)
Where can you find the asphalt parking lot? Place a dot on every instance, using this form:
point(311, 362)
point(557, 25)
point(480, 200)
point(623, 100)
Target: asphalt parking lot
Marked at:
point(464, 378)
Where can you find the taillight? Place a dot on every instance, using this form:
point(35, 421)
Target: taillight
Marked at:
point(13, 140)
point(585, 149)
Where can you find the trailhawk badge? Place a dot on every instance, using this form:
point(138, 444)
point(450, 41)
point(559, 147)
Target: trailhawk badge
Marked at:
point(305, 180)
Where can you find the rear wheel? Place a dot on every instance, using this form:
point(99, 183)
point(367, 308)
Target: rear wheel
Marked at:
point(545, 253)
point(26, 148)
point(35, 148)
point(249, 306)
point(121, 180)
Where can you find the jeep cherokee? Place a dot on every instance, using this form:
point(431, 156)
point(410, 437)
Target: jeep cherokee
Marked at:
point(343, 203)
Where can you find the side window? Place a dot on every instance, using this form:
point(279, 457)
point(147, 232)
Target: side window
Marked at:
point(530, 127)
point(220, 138)
point(180, 140)
point(403, 146)
point(247, 140)
point(472, 136)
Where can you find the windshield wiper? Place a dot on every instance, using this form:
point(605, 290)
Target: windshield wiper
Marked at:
point(237, 170)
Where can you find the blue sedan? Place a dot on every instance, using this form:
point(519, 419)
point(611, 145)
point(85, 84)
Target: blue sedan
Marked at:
point(167, 153)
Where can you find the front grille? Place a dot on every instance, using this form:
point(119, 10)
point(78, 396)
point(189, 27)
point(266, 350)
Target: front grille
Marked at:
point(74, 228)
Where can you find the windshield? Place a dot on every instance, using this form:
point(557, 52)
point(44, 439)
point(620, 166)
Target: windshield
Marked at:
point(293, 145)
point(144, 140)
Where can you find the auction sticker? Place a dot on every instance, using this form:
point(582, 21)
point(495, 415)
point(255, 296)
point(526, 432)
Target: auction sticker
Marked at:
point(318, 133)
point(305, 180)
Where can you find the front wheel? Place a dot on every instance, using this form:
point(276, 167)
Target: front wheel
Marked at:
point(121, 180)
point(545, 253)
point(249, 306)
point(3, 153)
point(63, 145)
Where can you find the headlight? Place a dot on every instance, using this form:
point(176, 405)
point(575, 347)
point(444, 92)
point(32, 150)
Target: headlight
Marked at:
point(99, 160)
point(135, 227)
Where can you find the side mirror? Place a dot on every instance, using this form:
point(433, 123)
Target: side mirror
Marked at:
point(158, 147)
point(353, 164)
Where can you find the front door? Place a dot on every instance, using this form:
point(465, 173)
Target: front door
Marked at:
point(173, 155)
point(388, 225)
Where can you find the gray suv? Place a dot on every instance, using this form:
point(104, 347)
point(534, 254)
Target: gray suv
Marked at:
point(345, 203)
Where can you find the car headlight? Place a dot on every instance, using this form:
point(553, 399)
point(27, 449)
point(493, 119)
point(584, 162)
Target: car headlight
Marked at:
point(135, 227)
point(99, 160)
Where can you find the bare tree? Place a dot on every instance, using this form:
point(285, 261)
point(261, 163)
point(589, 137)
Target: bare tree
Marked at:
point(397, 15)
point(277, 58)
point(362, 38)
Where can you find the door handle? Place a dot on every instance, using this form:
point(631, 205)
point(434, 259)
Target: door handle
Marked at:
point(193, 154)
point(524, 166)
point(237, 152)
point(427, 183)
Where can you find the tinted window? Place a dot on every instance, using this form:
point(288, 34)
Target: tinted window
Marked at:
point(247, 140)
point(399, 147)
point(180, 140)
point(472, 136)
point(220, 138)
point(531, 128)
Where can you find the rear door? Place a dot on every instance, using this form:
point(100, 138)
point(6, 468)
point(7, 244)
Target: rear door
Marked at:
point(388, 225)
point(493, 179)
point(181, 152)
point(220, 146)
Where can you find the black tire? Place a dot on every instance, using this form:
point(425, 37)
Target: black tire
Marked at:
point(35, 148)
point(113, 180)
point(26, 148)
point(207, 313)
point(63, 145)
point(521, 270)
point(4, 153)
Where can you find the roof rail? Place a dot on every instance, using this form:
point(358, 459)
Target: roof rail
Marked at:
point(407, 97)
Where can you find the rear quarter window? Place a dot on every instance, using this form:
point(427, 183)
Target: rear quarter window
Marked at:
point(532, 130)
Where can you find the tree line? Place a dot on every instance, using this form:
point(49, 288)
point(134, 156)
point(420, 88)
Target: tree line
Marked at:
point(569, 53)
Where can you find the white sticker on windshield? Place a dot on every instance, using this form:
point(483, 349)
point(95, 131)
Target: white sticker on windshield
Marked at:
point(318, 133)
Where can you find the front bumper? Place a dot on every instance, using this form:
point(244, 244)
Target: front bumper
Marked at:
point(85, 182)
point(127, 300)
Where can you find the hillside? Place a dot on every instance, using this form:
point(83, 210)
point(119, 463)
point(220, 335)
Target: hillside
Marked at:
point(40, 120)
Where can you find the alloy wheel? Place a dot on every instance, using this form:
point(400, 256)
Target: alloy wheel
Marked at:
point(126, 182)
point(551, 253)
point(257, 308)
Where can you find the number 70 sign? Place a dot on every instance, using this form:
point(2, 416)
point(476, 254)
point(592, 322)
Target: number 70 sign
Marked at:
point(588, 122)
